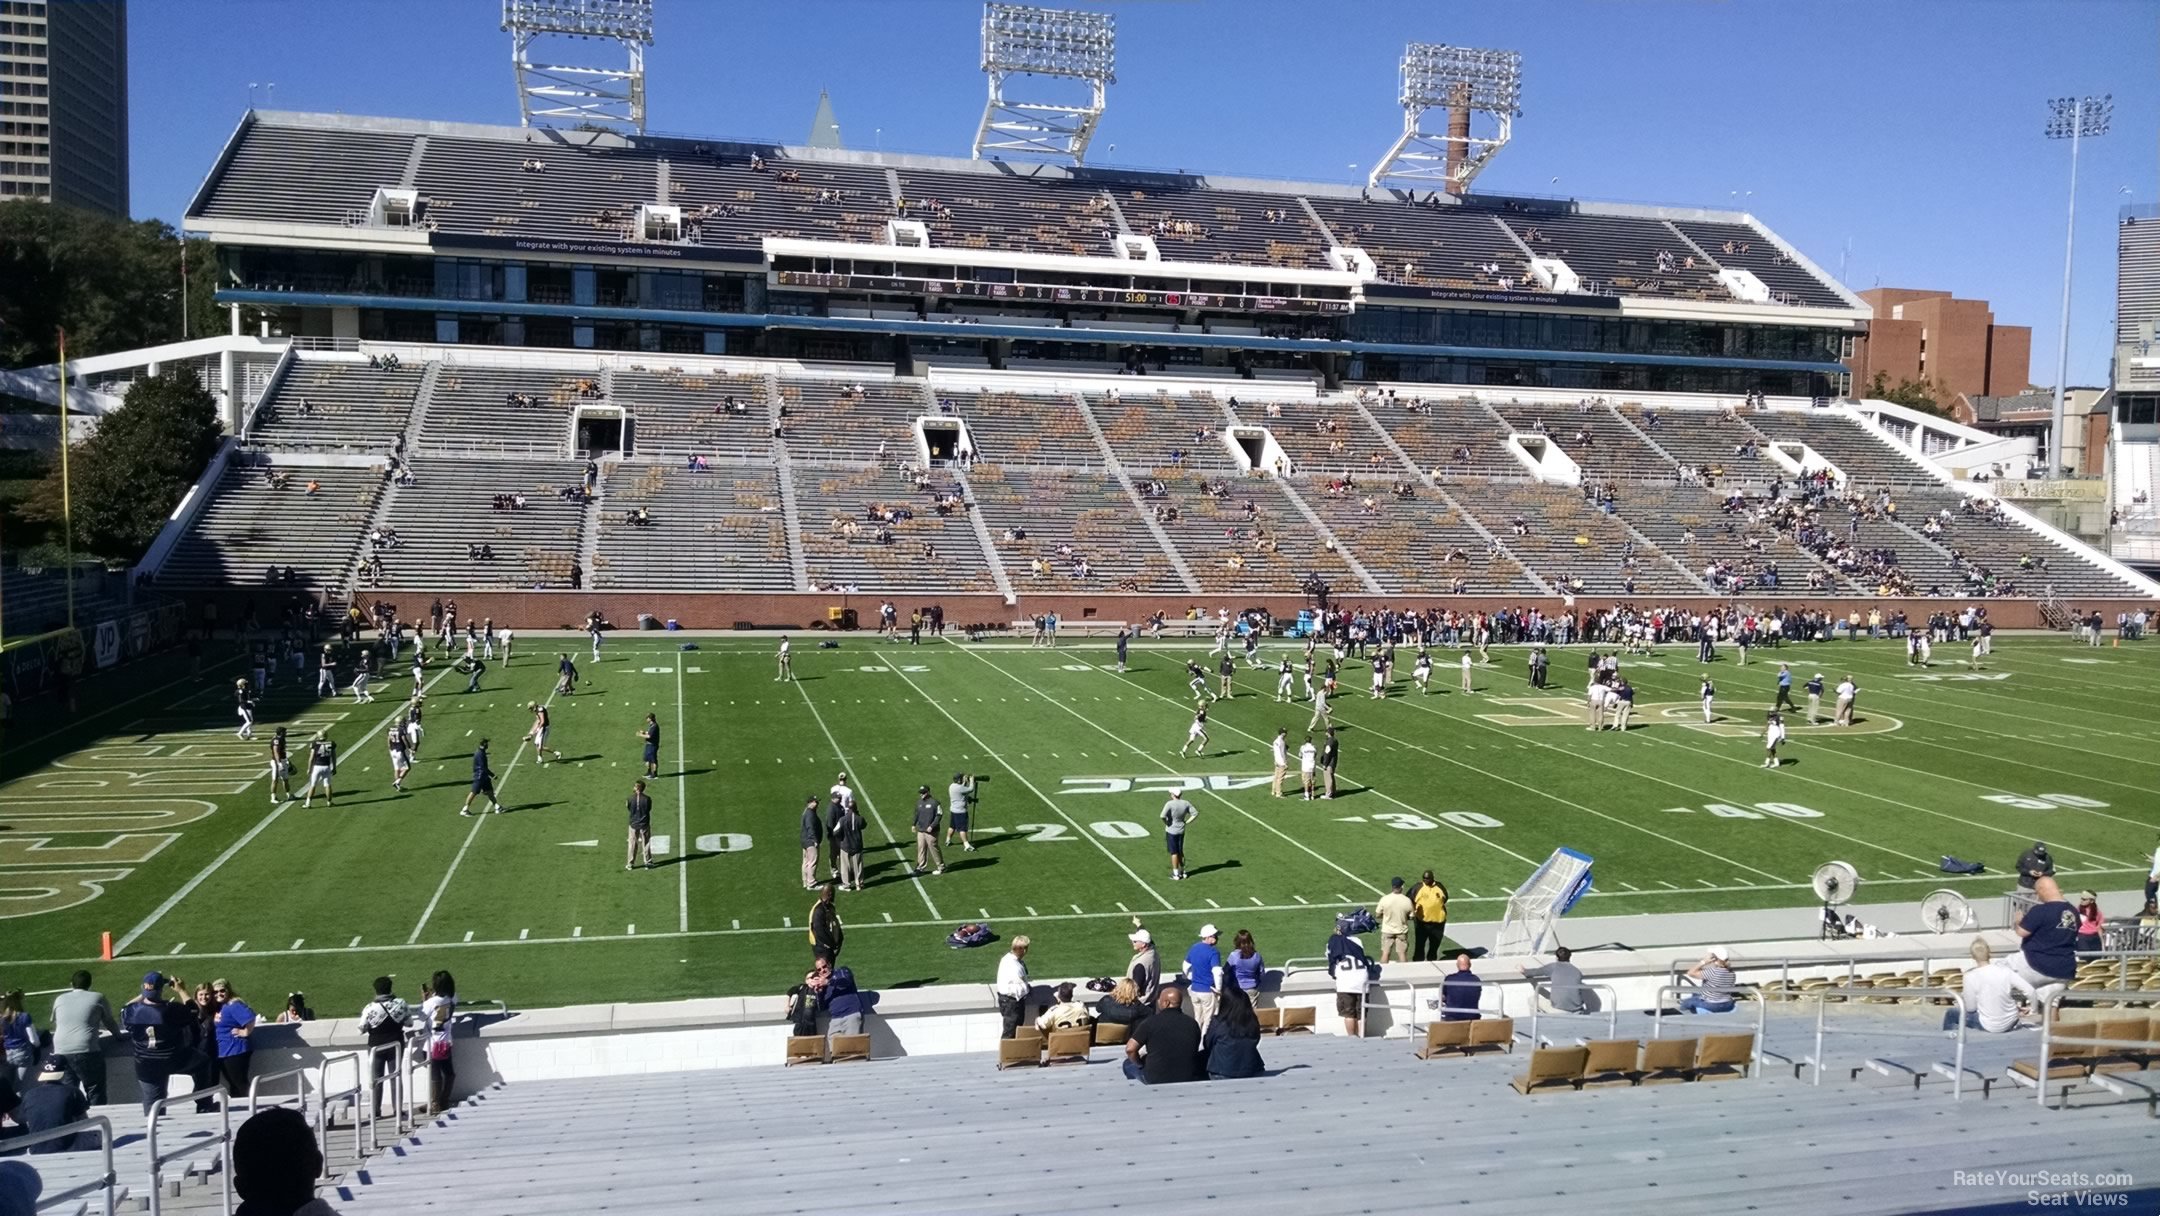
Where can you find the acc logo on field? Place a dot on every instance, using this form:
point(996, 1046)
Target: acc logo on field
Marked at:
point(1163, 783)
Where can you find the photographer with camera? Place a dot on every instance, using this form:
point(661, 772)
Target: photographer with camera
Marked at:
point(959, 805)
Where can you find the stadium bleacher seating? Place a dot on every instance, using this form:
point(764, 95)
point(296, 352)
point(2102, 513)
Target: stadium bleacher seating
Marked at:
point(1007, 210)
point(1088, 511)
point(1621, 254)
point(1707, 439)
point(1144, 429)
point(1024, 428)
point(826, 420)
point(1326, 436)
point(1417, 546)
point(337, 405)
point(1573, 545)
point(829, 500)
point(1740, 247)
point(472, 409)
point(1271, 549)
point(678, 413)
point(1867, 461)
point(1450, 440)
point(1695, 1145)
point(727, 202)
point(250, 525)
point(37, 601)
point(451, 508)
point(298, 174)
point(718, 527)
point(1245, 229)
point(1608, 447)
point(1439, 245)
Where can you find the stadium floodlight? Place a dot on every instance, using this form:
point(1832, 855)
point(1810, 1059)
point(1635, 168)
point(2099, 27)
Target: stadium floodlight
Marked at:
point(570, 95)
point(2074, 119)
point(1059, 44)
point(1459, 82)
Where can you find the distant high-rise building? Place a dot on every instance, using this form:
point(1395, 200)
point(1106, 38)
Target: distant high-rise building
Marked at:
point(63, 102)
point(2137, 317)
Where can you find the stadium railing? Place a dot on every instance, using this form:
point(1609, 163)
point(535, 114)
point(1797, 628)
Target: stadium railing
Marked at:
point(2051, 1039)
point(1538, 1012)
point(107, 1181)
point(398, 1081)
point(353, 1095)
point(1954, 1068)
point(222, 1143)
point(1741, 992)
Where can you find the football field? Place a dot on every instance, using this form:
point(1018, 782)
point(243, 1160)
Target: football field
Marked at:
point(148, 819)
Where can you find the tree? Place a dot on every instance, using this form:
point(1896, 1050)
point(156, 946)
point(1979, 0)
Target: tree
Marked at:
point(127, 477)
point(112, 284)
point(1914, 394)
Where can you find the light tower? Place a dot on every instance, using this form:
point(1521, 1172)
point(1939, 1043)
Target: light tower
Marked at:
point(1061, 44)
point(567, 95)
point(2071, 118)
point(1459, 82)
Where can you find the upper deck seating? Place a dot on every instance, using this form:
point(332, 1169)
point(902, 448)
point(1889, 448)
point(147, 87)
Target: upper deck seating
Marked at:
point(1740, 247)
point(301, 175)
point(1010, 211)
point(728, 201)
point(1422, 245)
point(1224, 226)
point(1624, 255)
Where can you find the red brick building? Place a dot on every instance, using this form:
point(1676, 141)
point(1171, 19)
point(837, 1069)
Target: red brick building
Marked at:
point(1951, 345)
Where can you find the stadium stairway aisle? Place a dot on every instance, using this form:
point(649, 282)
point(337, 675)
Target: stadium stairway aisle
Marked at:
point(1339, 1125)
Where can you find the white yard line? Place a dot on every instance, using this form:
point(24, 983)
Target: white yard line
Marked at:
point(479, 821)
point(682, 810)
point(578, 934)
point(1055, 809)
point(863, 793)
point(188, 888)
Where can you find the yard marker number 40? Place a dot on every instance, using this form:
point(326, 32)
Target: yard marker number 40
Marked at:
point(2043, 802)
point(1726, 810)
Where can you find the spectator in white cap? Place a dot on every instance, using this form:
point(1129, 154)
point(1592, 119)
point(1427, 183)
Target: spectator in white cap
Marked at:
point(1203, 976)
point(1713, 985)
point(1145, 969)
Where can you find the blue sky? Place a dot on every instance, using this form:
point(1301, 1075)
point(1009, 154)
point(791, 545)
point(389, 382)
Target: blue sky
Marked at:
point(1908, 132)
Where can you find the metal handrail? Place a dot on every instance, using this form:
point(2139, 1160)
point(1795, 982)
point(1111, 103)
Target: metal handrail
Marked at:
point(1821, 997)
point(223, 1143)
point(258, 1080)
point(351, 1095)
point(2049, 1040)
point(1612, 1011)
point(106, 1181)
point(398, 1080)
point(1740, 992)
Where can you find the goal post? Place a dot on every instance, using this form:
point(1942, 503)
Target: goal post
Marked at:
point(1535, 909)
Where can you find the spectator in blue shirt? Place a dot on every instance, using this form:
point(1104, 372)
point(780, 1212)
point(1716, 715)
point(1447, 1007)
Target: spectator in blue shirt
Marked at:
point(52, 1103)
point(1459, 992)
point(1203, 967)
point(235, 1022)
point(1244, 966)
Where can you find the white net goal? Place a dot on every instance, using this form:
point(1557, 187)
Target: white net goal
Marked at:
point(1535, 909)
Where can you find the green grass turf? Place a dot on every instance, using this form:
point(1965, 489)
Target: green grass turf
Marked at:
point(1679, 819)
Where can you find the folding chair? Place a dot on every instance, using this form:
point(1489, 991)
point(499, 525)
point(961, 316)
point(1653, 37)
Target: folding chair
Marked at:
point(1069, 1046)
point(1612, 1062)
point(806, 1049)
point(1667, 1060)
point(1724, 1057)
point(1445, 1037)
point(1552, 1067)
point(847, 1047)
